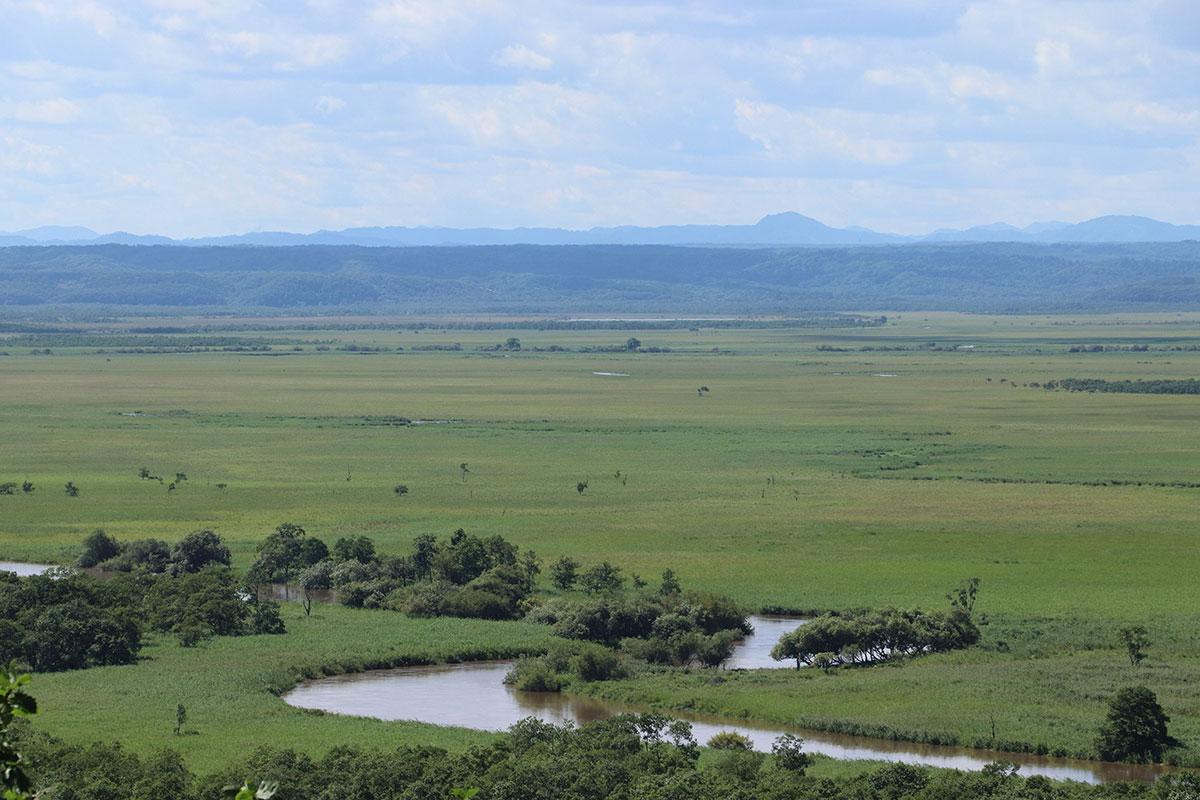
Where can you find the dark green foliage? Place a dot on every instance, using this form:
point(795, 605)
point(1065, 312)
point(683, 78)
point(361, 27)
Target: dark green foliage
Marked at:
point(265, 616)
point(1135, 728)
point(97, 546)
point(198, 550)
point(465, 576)
point(65, 622)
point(730, 740)
point(1135, 639)
point(602, 578)
point(356, 548)
point(152, 555)
point(638, 757)
point(286, 551)
point(670, 583)
point(14, 702)
point(596, 663)
point(873, 636)
point(71, 489)
point(564, 573)
point(789, 754)
point(1163, 386)
point(206, 601)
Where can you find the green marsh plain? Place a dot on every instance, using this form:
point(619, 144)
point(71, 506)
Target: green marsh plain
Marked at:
point(814, 474)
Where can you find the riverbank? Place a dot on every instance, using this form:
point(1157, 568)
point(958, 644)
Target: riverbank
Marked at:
point(230, 686)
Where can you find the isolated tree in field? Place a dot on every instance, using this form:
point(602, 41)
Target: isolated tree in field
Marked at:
point(670, 583)
point(27, 487)
point(579, 487)
point(144, 473)
point(1135, 639)
point(180, 718)
point(603, 577)
point(180, 477)
point(632, 343)
point(71, 489)
point(564, 573)
point(463, 467)
point(1135, 728)
point(400, 489)
point(964, 596)
point(513, 343)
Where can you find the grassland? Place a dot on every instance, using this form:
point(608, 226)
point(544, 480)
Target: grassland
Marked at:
point(805, 479)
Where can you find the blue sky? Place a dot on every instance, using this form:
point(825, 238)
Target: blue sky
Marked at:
point(205, 117)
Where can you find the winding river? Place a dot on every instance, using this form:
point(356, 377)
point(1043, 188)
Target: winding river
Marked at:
point(475, 696)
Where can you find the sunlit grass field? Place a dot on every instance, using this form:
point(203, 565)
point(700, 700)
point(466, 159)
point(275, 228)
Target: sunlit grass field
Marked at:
point(814, 474)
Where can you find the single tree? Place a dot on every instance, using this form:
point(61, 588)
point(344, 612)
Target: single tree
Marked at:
point(144, 473)
point(632, 343)
point(670, 583)
point(564, 573)
point(180, 477)
point(788, 754)
point(1135, 639)
point(602, 578)
point(1135, 728)
point(463, 467)
point(400, 489)
point(71, 489)
point(180, 718)
point(27, 487)
point(579, 487)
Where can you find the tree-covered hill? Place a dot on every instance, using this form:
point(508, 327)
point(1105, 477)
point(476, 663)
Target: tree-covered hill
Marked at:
point(1001, 277)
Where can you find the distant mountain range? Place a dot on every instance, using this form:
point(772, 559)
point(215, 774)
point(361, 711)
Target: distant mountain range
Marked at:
point(787, 229)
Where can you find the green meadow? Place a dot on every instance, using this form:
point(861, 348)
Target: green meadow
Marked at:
point(824, 468)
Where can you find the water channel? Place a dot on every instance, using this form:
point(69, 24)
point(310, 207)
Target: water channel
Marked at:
point(24, 569)
point(475, 696)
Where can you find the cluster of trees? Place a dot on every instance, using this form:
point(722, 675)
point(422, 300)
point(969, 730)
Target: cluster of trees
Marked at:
point(71, 620)
point(667, 626)
point(1163, 386)
point(192, 553)
point(831, 640)
point(460, 576)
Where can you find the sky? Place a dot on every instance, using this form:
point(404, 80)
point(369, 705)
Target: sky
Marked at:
point(208, 117)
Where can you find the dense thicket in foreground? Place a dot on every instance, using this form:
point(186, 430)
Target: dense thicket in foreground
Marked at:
point(634, 757)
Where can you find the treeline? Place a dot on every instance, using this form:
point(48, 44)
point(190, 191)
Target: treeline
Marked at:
point(1161, 386)
point(996, 277)
point(634, 757)
point(72, 620)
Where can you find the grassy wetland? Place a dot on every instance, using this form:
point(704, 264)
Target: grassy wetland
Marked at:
point(823, 468)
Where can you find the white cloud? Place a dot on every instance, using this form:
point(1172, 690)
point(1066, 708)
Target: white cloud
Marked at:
point(59, 111)
point(522, 57)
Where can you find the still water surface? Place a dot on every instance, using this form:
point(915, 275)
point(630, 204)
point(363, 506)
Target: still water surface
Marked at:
point(23, 569)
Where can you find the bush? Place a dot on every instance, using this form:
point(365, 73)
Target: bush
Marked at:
point(97, 546)
point(597, 664)
point(730, 740)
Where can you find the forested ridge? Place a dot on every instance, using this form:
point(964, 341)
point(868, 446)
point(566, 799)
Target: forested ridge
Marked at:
point(996, 277)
